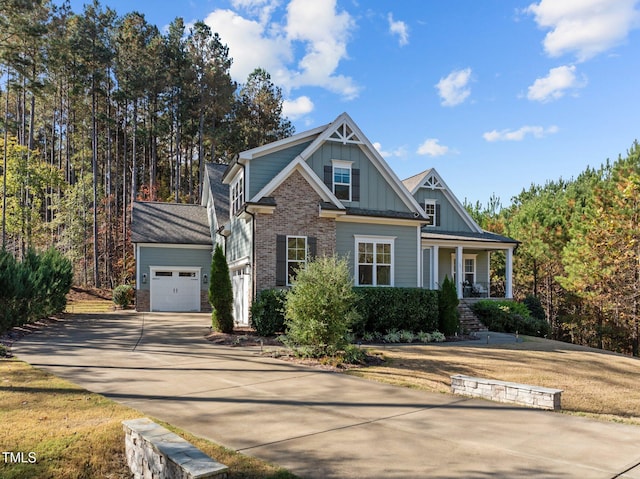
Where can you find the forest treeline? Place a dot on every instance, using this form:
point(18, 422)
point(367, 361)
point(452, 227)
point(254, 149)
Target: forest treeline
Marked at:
point(98, 110)
point(580, 251)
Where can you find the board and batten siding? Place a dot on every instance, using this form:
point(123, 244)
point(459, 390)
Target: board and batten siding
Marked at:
point(375, 191)
point(173, 257)
point(264, 168)
point(405, 248)
point(239, 241)
point(450, 219)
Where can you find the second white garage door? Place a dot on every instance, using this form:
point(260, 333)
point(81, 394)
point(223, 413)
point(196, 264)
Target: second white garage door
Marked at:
point(175, 289)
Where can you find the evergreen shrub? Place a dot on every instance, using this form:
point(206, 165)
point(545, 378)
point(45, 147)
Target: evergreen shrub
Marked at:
point(221, 293)
point(509, 317)
point(534, 306)
point(33, 288)
point(267, 312)
point(321, 308)
point(123, 295)
point(384, 309)
point(448, 308)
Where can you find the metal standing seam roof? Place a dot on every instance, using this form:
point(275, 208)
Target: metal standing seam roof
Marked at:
point(173, 223)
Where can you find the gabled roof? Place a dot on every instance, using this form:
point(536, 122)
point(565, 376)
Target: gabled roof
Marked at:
point(298, 164)
point(218, 190)
point(344, 130)
point(173, 223)
point(432, 180)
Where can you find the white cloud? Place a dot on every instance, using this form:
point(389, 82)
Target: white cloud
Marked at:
point(294, 109)
point(400, 152)
point(259, 39)
point(400, 29)
point(584, 27)
point(432, 147)
point(520, 134)
point(453, 89)
point(555, 84)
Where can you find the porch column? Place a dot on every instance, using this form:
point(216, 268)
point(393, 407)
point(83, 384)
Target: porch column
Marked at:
point(508, 274)
point(434, 266)
point(459, 271)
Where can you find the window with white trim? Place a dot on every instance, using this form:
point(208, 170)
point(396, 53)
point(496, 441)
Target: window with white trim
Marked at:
point(430, 211)
point(342, 176)
point(469, 267)
point(296, 256)
point(236, 193)
point(374, 261)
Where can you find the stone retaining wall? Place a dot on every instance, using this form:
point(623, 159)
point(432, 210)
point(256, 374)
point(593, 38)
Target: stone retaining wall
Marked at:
point(154, 452)
point(506, 392)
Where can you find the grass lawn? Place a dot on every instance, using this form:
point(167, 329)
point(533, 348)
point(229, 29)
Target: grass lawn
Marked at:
point(596, 383)
point(77, 434)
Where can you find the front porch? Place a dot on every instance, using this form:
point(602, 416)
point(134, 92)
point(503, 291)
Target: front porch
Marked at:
point(472, 258)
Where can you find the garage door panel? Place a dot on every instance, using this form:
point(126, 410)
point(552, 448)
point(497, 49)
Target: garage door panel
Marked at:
point(175, 290)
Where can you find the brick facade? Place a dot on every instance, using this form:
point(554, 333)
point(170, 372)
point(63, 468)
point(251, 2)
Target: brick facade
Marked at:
point(296, 213)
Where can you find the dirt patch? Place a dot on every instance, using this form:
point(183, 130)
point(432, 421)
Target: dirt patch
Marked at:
point(78, 294)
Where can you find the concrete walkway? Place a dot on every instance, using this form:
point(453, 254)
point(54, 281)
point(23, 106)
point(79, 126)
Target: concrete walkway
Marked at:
point(319, 424)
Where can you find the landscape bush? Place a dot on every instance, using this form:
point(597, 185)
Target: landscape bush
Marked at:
point(123, 295)
point(448, 308)
point(33, 288)
point(534, 305)
point(509, 317)
point(267, 312)
point(385, 309)
point(221, 293)
point(321, 308)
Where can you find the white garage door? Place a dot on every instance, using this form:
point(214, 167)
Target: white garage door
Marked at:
point(175, 289)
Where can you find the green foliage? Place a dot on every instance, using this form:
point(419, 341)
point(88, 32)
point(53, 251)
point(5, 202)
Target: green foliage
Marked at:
point(448, 307)
point(123, 295)
point(221, 293)
point(385, 309)
point(34, 288)
point(321, 308)
point(509, 317)
point(267, 312)
point(534, 306)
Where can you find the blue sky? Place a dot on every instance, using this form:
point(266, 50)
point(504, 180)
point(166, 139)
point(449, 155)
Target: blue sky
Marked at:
point(494, 94)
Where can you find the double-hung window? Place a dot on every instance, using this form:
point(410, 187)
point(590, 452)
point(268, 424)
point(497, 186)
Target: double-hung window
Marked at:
point(296, 256)
point(374, 261)
point(342, 177)
point(430, 210)
point(236, 193)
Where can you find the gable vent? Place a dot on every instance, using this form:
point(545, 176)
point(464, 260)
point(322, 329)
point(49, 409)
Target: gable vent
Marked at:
point(433, 183)
point(344, 134)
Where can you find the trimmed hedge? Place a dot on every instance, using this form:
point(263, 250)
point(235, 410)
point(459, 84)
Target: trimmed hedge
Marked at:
point(508, 317)
point(267, 312)
point(386, 309)
point(32, 289)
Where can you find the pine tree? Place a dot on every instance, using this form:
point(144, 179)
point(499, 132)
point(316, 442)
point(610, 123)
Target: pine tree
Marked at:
point(221, 293)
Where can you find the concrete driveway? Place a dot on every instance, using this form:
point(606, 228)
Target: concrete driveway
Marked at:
point(319, 424)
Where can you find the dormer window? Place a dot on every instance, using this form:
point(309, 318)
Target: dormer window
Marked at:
point(236, 193)
point(431, 212)
point(342, 176)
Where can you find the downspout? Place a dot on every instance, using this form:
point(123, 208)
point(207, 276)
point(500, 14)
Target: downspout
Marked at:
point(253, 235)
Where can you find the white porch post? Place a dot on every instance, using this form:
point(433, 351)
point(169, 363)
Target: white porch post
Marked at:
point(508, 273)
point(434, 266)
point(459, 271)
point(488, 274)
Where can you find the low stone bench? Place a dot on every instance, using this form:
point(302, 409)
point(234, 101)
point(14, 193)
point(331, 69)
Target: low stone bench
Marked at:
point(506, 392)
point(154, 452)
